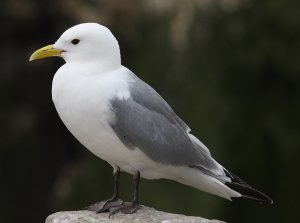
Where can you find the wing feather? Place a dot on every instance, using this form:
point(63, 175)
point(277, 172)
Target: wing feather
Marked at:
point(145, 121)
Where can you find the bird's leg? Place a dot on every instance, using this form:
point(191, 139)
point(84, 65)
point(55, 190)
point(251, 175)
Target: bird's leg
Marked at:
point(115, 201)
point(129, 207)
point(116, 193)
point(136, 181)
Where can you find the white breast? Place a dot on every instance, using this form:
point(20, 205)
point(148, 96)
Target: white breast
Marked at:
point(82, 103)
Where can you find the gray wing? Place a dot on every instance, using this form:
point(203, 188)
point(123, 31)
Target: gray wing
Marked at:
point(147, 122)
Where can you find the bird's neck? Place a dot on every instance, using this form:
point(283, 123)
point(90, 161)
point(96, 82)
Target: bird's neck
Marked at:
point(91, 68)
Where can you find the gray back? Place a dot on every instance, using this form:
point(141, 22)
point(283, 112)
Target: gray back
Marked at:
point(147, 122)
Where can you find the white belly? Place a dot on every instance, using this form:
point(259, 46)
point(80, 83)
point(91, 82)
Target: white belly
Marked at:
point(83, 105)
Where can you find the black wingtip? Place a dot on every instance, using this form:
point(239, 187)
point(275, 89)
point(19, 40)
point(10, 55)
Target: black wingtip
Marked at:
point(246, 190)
point(249, 193)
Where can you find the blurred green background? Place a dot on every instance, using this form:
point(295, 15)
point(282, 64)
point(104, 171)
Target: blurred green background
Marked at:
point(229, 68)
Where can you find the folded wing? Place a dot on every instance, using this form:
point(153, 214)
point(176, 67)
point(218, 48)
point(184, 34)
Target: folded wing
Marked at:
point(145, 121)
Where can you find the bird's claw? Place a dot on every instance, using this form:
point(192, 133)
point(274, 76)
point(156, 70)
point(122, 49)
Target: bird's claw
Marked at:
point(125, 208)
point(104, 206)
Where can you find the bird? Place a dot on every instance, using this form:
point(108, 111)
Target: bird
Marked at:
point(124, 121)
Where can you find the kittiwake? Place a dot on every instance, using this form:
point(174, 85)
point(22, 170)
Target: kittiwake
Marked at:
point(125, 122)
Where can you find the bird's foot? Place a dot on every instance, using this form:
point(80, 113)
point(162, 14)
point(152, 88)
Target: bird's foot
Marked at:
point(125, 208)
point(104, 206)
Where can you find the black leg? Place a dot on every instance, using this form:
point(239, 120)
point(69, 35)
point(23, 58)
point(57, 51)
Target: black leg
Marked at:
point(136, 181)
point(129, 207)
point(115, 201)
point(116, 184)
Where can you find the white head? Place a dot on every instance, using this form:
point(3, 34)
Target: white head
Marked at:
point(84, 43)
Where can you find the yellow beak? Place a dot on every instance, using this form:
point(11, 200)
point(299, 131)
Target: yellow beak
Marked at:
point(47, 51)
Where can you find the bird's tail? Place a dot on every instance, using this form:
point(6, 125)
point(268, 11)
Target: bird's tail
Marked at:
point(246, 190)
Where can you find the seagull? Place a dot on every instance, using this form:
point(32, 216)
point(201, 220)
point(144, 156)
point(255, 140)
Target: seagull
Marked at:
point(124, 121)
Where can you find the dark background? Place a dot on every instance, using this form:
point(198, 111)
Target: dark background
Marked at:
point(229, 68)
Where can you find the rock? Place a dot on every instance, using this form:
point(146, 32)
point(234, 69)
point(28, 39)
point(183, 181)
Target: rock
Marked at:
point(144, 215)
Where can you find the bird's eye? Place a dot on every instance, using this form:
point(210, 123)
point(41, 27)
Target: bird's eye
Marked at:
point(75, 41)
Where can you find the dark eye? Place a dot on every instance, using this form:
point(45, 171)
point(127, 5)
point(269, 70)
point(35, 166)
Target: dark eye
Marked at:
point(75, 41)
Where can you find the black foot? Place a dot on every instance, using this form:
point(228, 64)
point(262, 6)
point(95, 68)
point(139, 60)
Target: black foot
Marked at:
point(104, 206)
point(125, 208)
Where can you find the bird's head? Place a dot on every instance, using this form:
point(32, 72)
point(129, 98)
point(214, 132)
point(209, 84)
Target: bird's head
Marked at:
point(87, 42)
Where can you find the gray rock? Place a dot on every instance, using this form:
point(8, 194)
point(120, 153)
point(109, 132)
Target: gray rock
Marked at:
point(144, 215)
